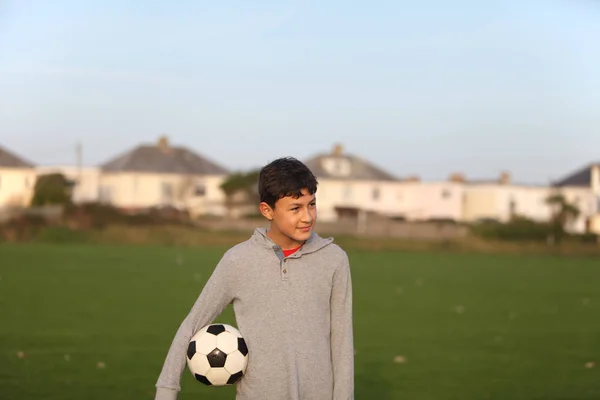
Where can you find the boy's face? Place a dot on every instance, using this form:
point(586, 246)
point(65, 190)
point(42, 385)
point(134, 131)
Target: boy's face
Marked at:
point(292, 220)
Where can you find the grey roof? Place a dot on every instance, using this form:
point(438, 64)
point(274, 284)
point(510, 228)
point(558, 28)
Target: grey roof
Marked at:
point(581, 177)
point(11, 160)
point(359, 169)
point(162, 158)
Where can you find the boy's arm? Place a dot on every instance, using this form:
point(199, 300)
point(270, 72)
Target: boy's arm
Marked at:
point(342, 338)
point(213, 299)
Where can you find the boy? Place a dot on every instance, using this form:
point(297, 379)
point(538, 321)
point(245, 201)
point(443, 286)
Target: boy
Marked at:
point(292, 296)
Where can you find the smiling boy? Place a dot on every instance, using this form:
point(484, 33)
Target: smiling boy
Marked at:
point(292, 297)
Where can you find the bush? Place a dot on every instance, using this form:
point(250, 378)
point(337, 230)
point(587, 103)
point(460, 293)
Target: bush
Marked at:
point(442, 221)
point(51, 189)
point(518, 229)
point(588, 238)
point(21, 228)
point(60, 234)
point(97, 215)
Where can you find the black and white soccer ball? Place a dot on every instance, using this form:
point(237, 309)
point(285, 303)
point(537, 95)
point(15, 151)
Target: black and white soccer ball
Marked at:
point(217, 355)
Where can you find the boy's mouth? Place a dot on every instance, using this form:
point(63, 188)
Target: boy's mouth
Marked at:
point(305, 229)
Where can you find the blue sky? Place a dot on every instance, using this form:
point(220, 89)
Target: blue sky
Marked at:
point(425, 88)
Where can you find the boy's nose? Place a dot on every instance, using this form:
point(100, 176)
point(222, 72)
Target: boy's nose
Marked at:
point(307, 217)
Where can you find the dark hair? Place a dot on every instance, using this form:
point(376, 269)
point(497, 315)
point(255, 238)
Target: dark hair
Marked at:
point(285, 177)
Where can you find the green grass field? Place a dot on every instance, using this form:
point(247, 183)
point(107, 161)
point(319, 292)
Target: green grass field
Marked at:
point(464, 326)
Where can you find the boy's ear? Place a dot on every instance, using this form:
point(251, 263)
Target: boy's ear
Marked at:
point(266, 211)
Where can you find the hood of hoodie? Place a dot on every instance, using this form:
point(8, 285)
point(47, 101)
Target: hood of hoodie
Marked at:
point(313, 244)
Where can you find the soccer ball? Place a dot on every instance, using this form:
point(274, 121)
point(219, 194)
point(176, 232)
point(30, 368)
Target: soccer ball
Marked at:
point(217, 355)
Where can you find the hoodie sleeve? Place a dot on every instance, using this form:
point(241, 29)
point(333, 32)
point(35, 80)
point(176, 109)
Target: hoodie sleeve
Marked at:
point(215, 296)
point(342, 339)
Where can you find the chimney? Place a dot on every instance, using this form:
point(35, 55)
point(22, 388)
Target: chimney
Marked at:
point(505, 178)
point(457, 177)
point(338, 150)
point(595, 179)
point(412, 178)
point(163, 143)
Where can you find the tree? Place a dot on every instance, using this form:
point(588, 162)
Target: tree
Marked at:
point(51, 189)
point(241, 189)
point(563, 214)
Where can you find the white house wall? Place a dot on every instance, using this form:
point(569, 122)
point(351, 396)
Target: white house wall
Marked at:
point(213, 200)
point(373, 196)
point(431, 200)
point(142, 190)
point(500, 202)
point(411, 200)
point(480, 203)
point(526, 201)
point(586, 201)
point(594, 225)
point(16, 186)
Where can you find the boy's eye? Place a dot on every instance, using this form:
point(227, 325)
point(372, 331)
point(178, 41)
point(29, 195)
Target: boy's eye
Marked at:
point(294, 208)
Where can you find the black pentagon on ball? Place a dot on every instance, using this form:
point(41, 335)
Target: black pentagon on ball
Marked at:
point(235, 378)
point(203, 379)
point(215, 329)
point(242, 347)
point(191, 349)
point(217, 358)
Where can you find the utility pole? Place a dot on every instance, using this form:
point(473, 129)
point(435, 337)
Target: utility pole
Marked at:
point(78, 151)
point(79, 157)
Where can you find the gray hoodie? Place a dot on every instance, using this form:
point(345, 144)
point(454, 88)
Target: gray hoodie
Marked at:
point(295, 314)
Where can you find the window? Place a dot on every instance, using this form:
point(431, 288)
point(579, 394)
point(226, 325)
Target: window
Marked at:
point(166, 191)
point(376, 194)
point(446, 194)
point(337, 166)
point(200, 190)
point(105, 194)
point(512, 207)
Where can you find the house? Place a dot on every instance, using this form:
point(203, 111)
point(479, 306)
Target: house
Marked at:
point(582, 187)
point(348, 185)
point(162, 175)
point(17, 180)
point(502, 199)
point(86, 180)
point(586, 177)
point(430, 201)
